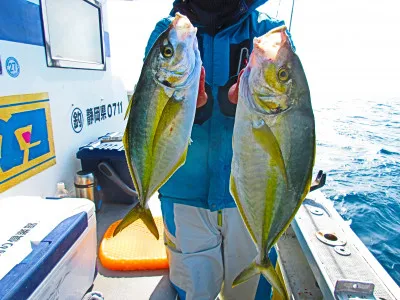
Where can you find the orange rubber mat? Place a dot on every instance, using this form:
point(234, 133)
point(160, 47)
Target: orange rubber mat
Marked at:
point(134, 248)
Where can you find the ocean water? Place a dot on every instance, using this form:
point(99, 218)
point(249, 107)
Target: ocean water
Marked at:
point(359, 150)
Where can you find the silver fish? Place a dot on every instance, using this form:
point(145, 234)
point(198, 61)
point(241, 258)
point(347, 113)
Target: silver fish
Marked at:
point(161, 115)
point(273, 147)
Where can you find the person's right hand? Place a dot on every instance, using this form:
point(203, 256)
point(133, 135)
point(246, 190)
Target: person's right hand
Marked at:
point(202, 95)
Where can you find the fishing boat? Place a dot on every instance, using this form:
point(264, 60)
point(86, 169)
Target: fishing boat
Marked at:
point(63, 96)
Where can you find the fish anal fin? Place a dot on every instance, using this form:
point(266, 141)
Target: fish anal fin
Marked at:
point(306, 190)
point(267, 270)
point(235, 195)
point(178, 164)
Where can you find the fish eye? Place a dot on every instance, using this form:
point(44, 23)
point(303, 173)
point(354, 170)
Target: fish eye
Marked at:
point(283, 74)
point(167, 51)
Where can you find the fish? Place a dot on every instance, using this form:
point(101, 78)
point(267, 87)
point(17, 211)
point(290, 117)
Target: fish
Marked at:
point(160, 115)
point(273, 147)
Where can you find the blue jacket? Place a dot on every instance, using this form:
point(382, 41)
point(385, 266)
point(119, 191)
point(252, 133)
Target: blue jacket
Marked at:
point(203, 181)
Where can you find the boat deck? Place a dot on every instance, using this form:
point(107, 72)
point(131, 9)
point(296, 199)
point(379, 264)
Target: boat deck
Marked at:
point(300, 252)
point(121, 285)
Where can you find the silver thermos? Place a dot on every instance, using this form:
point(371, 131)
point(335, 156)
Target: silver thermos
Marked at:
point(85, 185)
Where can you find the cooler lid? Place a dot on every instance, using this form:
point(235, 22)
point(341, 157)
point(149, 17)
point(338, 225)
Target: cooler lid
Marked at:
point(33, 229)
point(26, 276)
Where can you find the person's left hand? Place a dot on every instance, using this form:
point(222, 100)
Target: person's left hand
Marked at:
point(233, 93)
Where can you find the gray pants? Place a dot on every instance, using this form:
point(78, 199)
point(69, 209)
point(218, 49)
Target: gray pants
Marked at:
point(206, 251)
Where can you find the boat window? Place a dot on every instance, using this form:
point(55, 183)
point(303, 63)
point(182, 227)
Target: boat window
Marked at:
point(73, 31)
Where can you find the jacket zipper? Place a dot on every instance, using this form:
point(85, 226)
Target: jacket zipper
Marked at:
point(219, 218)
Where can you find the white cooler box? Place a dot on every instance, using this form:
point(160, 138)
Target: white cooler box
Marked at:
point(47, 248)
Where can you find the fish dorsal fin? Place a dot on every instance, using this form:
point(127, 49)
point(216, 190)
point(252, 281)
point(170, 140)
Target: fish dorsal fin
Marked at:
point(125, 142)
point(128, 109)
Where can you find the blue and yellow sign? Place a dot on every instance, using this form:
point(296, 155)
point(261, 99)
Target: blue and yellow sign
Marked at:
point(26, 138)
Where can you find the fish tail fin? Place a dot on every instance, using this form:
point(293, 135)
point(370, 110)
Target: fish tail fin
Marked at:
point(268, 271)
point(148, 220)
point(138, 212)
point(246, 274)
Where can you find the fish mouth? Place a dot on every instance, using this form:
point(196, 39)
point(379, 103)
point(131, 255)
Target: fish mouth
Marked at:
point(181, 22)
point(268, 45)
point(183, 26)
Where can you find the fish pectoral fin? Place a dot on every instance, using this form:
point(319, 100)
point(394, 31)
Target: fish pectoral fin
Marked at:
point(267, 140)
point(138, 212)
point(267, 270)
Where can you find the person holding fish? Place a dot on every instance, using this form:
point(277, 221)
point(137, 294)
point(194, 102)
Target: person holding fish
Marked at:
point(223, 206)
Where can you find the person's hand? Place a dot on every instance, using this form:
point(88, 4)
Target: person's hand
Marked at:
point(202, 95)
point(233, 93)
